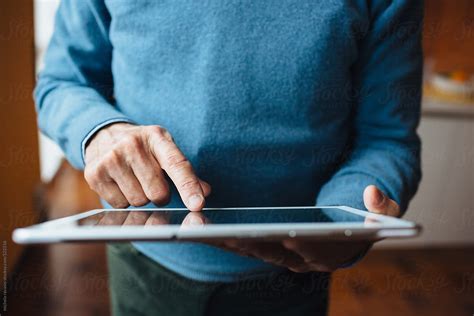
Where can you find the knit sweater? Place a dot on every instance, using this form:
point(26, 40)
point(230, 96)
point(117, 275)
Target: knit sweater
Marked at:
point(275, 103)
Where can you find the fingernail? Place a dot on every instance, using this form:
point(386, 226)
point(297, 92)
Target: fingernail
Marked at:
point(379, 197)
point(195, 201)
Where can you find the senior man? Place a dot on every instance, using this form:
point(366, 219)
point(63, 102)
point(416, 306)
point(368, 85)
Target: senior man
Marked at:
point(264, 103)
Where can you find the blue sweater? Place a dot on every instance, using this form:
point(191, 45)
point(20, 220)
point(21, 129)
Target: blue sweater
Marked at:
point(290, 102)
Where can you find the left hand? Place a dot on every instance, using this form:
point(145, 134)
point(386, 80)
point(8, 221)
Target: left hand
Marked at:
point(305, 256)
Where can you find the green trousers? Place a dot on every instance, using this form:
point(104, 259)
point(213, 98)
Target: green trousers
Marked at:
point(141, 286)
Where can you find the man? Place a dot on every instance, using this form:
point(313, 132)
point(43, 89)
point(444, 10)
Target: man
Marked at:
point(266, 103)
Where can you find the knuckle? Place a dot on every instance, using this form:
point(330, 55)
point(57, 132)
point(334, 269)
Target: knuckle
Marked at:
point(189, 184)
point(119, 203)
point(138, 200)
point(92, 176)
point(112, 158)
point(176, 162)
point(396, 210)
point(160, 132)
point(132, 142)
point(165, 199)
point(157, 195)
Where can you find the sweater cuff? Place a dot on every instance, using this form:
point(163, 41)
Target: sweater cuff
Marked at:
point(84, 127)
point(348, 190)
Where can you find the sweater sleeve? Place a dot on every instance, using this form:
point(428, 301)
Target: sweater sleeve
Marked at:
point(387, 91)
point(74, 92)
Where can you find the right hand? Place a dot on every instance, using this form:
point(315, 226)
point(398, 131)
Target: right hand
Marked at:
point(125, 165)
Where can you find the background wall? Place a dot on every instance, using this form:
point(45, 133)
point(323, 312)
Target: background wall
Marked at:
point(444, 204)
point(50, 153)
point(19, 165)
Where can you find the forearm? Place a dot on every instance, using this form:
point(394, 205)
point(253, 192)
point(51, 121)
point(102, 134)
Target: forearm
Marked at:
point(74, 90)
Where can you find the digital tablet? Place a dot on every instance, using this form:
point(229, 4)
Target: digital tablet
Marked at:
point(171, 224)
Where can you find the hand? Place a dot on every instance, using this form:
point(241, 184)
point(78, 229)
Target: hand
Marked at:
point(304, 256)
point(126, 165)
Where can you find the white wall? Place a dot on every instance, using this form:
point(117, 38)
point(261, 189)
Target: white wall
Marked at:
point(444, 204)
point(50, 153)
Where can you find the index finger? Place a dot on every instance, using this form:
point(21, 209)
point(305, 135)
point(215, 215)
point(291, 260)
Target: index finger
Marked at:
point(178, 168)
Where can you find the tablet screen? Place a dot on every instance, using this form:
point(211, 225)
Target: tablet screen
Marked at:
point(224, 216)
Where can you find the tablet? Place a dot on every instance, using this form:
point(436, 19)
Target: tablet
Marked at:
point(171, 224)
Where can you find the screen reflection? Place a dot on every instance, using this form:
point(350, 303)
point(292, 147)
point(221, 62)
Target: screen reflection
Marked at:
point(224, 216)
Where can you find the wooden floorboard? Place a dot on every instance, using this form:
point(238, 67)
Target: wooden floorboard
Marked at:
point(407, 282)
point(61, 280)
point(72, 280)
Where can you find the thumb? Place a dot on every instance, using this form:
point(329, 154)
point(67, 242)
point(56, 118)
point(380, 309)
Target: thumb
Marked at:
point(377, 202)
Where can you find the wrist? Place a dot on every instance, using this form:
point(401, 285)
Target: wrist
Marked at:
point(108, 132)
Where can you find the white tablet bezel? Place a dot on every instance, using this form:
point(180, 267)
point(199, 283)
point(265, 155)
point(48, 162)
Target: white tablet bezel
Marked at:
point(58, 230)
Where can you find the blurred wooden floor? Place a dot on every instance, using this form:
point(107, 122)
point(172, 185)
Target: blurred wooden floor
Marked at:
point(72, 279)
